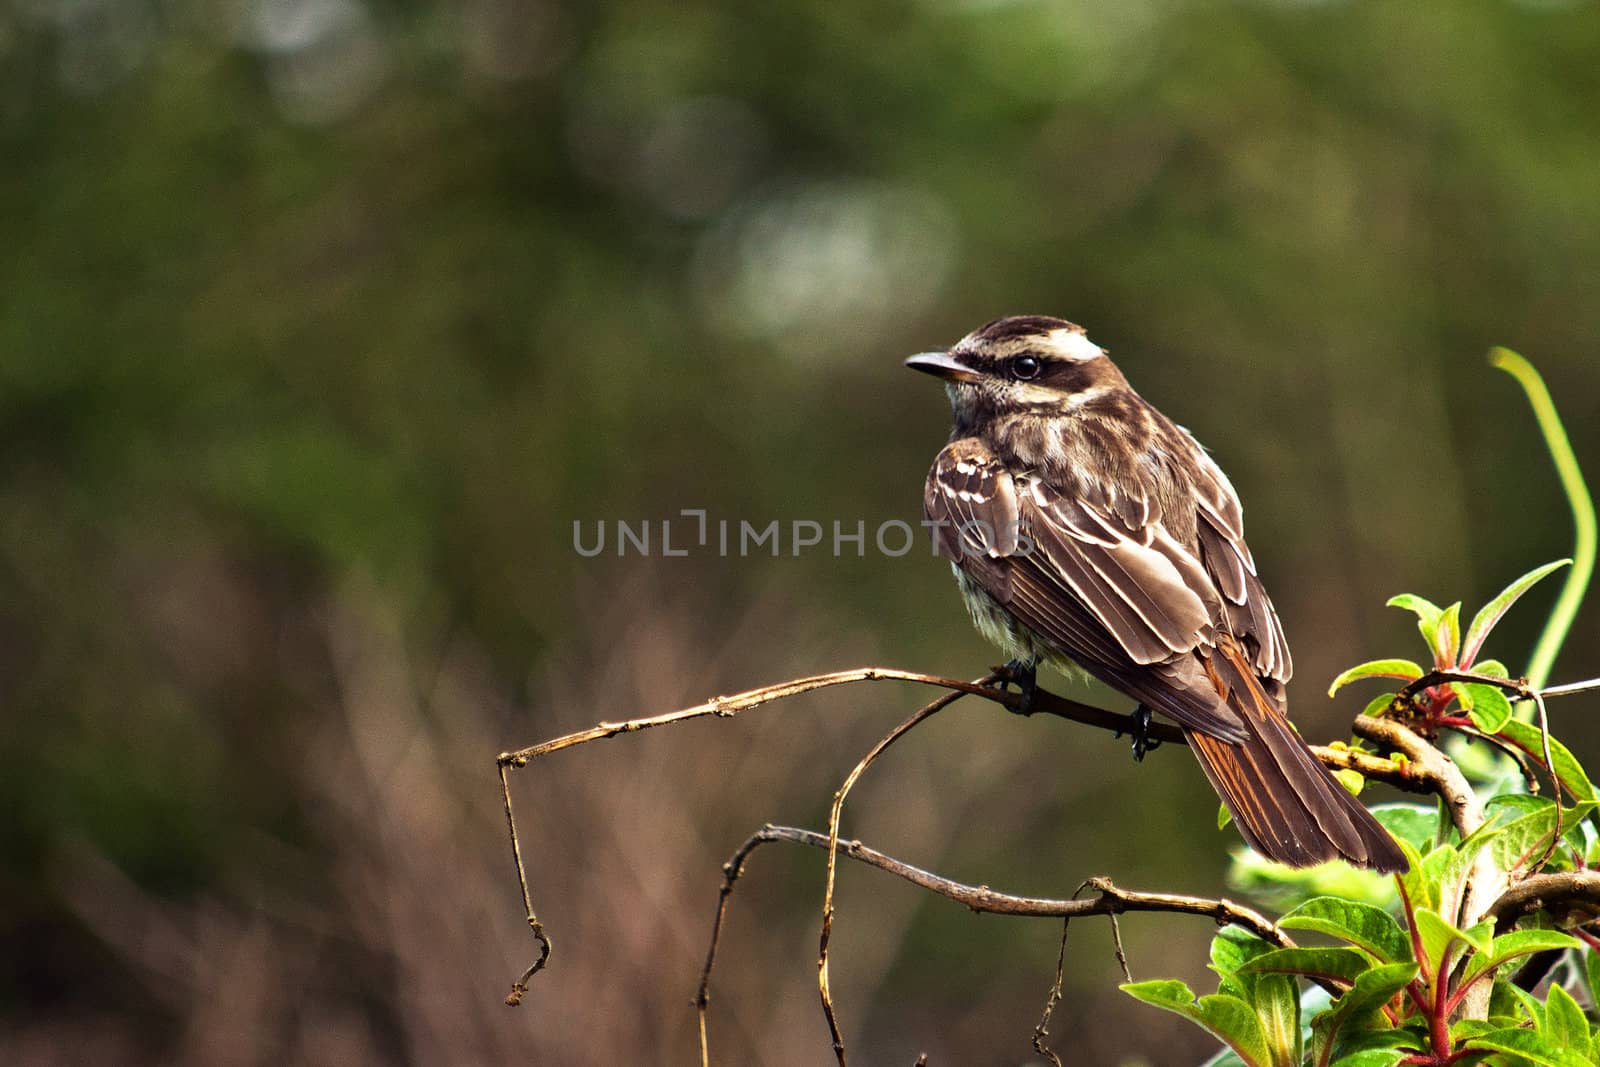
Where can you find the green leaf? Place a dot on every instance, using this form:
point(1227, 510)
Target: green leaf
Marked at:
point(1491, 612)
point(1224, 816)
point(1379, 705)
point(1491, 667)
point(1231, 949)
point(1532, 1007)
point(1516, 944)
point(1373, 989)
point(1277, 1008)
point(1427, 613)
point(1352, 780)
point(1591, 966)
point(1447, 638)
point(1418, 824)
point(1445, 870)
point(1531, 1047)
point(1504, 1007)
point(1525, 839)
point(1369, 928)
point(1487, 704)
point(1380, 1036)
point(1567, 767)
point(1564, 1023)
point(1438, 935)
point(1372, 1057)
point(1340, 964)
point(1419, 889)
point(1168, 993)
point(1403, 669)
point(1227, 1018)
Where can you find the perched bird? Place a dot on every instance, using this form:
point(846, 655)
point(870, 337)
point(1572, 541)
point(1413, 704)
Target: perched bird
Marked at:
point(1086, 528)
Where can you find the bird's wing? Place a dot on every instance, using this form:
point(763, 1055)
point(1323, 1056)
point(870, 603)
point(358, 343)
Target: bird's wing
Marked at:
point(1250, 614)
point(1102, 580)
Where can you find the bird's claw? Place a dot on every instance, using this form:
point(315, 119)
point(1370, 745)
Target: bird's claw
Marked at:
point(1142, 741)
point(1025, 676)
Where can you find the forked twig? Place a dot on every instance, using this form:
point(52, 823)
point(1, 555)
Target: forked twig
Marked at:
point(1044, 702)
point(921, 715)
point(1423, 770)
point(1111, 900)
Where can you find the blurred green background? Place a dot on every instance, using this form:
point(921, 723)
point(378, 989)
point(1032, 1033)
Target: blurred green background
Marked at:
point(321, 321)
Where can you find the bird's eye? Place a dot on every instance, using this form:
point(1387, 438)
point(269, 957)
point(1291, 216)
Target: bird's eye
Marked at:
point(1025, 368)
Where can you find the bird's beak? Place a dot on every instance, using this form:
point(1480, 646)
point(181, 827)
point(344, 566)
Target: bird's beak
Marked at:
point(942, 365)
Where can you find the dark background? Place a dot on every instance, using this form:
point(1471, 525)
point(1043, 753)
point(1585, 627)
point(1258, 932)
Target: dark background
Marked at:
point(321, 321)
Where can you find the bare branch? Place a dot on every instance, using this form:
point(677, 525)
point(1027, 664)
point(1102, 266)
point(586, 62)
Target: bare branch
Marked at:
point(1044, 702)
point(1423, 772)
point(1426, 766)
point(728, 706)
point(921, 715)
point(1111, 899)
point(1041, 1033)
point(1570, 688)
point(1517, 687)
point(1566, 892)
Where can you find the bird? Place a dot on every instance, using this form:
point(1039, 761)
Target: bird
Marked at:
point(1090, 533)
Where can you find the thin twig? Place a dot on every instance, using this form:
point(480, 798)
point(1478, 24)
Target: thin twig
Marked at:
point(730, 875)
point(1041, 1033)
point(1517, 687)
point(1044, 702)
point(1402, 775)
point(519, 988)
point(1570, 688)
point(1111, 901)
point(1524, 760)
point(921, 715)
point(1520, 688)
point(1116, 947)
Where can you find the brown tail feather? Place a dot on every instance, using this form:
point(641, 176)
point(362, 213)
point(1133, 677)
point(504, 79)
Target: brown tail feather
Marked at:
point(1285, 803)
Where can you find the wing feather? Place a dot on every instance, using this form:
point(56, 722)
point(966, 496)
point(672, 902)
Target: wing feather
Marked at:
point(1118, 601)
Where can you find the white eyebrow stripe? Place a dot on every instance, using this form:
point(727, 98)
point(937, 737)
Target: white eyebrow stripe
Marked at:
point(1072, 344)
point(1094, 392)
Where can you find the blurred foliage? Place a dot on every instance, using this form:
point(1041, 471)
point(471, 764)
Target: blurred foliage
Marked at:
point(300, 297)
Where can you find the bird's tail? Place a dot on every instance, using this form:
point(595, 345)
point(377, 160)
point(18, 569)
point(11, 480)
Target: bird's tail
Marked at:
point(1285, 803)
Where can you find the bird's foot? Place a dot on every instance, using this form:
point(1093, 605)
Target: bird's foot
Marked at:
point(1025, 676)
point(1142, 741)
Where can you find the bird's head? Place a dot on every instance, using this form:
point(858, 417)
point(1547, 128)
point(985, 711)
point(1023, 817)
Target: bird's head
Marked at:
point(1023, 365)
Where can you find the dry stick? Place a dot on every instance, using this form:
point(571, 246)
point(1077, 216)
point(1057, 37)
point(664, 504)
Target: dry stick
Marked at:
point(728, 706)
point(1044, 702)
point(921, 715)
point(1112, 900)
point(520, 987)
point(1042, 1031)
point(730, 875)
point(1403, 776)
